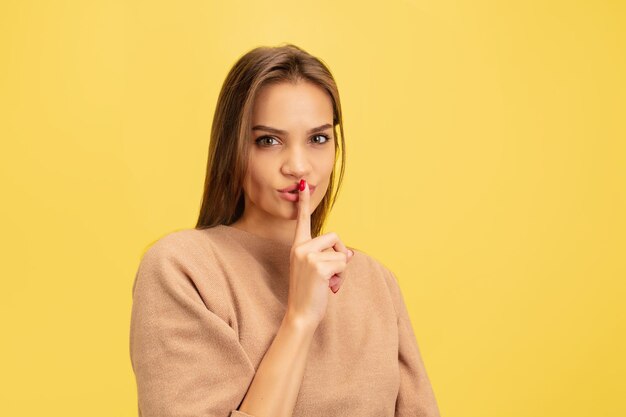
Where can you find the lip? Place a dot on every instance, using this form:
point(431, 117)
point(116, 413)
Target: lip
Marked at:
point(295, 187)
point(285, 194)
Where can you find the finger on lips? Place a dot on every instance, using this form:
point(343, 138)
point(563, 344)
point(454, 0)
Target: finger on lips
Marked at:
point(303, 225)
point(303, 231)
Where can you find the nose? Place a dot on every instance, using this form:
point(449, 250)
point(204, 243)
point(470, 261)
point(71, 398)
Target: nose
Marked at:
point(297, 162)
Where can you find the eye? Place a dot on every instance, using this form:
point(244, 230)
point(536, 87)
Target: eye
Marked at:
point(260, 141)
point(322, 136)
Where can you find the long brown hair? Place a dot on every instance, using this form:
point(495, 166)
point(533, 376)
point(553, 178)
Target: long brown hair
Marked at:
point(223, 199)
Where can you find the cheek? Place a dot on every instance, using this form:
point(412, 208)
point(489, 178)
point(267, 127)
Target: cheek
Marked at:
point(256, 180)
point(324, 169)
point(327, 164)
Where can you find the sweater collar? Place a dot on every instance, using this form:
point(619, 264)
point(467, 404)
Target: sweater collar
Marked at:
point(268, 248)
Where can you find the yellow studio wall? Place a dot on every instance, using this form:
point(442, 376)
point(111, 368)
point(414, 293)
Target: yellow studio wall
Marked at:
point(486, 168)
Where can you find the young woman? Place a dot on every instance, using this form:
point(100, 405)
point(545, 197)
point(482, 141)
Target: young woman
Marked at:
point(254, 312)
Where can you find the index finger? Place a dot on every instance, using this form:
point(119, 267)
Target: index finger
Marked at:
point(303, 225)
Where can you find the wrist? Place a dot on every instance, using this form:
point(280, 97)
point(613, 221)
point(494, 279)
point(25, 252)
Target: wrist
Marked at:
point(299, 323)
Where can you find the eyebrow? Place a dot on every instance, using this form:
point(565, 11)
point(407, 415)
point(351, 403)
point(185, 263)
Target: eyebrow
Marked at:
point(282, 132)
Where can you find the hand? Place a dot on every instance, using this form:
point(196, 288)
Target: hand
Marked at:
point(315, 265)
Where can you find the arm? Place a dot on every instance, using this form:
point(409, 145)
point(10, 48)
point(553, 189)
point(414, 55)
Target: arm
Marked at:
point(416, 396)
point(187, 360)
point(277, 381)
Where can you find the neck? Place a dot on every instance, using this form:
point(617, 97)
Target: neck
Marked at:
point(279, 230)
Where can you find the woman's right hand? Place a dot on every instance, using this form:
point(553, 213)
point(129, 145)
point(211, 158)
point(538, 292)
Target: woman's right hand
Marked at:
point(316, 265)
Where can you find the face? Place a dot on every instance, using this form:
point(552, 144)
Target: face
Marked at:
point(304, 149)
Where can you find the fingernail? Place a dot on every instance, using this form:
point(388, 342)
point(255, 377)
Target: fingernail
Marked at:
point(302, 182)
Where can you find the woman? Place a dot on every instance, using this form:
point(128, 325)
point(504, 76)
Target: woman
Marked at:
point(234, 317)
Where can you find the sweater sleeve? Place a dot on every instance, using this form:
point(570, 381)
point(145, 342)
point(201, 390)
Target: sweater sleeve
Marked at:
point(416, 396)
point(187, 361)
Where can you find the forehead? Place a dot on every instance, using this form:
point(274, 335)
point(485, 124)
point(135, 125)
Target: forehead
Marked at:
point(286, 104)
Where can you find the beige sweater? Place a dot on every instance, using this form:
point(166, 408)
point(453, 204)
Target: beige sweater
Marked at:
point(207, 304)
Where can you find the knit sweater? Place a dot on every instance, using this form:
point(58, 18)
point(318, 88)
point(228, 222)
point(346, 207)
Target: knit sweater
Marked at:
point(207, 304)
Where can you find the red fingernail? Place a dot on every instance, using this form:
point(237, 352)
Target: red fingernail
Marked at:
point(302, 182)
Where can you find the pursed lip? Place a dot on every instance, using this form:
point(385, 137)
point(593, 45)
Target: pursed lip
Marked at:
point(295, 187)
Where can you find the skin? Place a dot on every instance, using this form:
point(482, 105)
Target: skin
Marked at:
point(281, 160)
point(315, 264)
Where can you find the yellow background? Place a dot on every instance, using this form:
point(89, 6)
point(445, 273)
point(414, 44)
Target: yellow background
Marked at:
point(486, 168)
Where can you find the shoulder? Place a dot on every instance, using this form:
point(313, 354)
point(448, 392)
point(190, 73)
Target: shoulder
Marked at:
point(180, 258)
point(176, 254)
point(364, 262)
point(382, 275)
point(182, 244)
